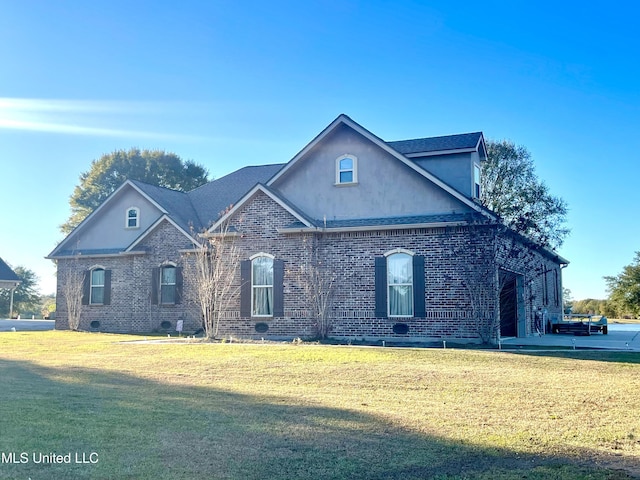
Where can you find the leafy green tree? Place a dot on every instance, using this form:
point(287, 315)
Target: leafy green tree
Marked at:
point(567, 299)
point(106, 174)
point(25, 297)
point(511, 189)
point(47, 305)
point(590, 305)
point(624, 289)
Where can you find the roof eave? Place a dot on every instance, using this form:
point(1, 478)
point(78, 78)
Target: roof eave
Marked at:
point(371, 228)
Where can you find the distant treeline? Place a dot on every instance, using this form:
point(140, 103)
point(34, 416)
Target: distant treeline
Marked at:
point(598, 307)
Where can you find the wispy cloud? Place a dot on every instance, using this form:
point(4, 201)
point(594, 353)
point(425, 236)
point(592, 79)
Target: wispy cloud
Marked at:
point(87, 117)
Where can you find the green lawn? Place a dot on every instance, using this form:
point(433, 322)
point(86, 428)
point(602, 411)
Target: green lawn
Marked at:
point(282, 411)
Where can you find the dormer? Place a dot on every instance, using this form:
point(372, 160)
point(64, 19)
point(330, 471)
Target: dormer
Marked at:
point(455, 159)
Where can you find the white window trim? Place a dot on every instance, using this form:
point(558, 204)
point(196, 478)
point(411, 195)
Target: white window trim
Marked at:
point(399, 250)
point(253, 286)
point(476, 167)
point(354, 170)
point(387, 255)
point(92, 286)
point(126, 218)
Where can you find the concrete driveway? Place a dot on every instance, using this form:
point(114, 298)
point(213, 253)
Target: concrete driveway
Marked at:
point(26, 325)
point(620, 337)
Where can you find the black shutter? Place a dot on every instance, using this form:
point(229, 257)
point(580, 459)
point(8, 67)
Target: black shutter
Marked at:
point(381, 287)
point(155, 285)
point(278, 288)
point(107, 288)
point(245, 288)
point(179, 284)
point(419, 309)
point(86, 287)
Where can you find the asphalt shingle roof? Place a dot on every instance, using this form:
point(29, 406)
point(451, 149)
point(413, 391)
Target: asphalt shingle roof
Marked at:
point(213, 198)
point(435, 144)
point(177, 204)
point(393, 221)
point(6, 273)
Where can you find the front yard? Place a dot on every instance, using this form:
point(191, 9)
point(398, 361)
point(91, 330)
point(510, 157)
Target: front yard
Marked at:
point(284, 411)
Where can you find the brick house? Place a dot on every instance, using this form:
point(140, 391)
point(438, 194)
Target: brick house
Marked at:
point(398, 225)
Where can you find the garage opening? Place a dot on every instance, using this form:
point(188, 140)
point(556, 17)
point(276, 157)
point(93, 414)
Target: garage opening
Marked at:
point(508, 308)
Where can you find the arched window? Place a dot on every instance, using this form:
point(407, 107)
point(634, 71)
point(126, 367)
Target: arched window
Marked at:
point(96, 291)
point(168, 284)
point(132, 219)
point(262, 286)
point(346, 170)
point(400, 284)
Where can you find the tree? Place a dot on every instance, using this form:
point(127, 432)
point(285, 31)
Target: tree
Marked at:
point(47, 305)
point(511, 189)
point(106, 174)
point(567, 299)
point(210, 269)
point(624, 288)
point(25, 298)
point(72, 286)
point(318, 283)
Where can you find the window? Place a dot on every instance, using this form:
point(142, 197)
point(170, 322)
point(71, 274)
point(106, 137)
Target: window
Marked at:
point(400, 285)
point(97, 287)
point(168, 284)
point(476, 180)
point(262, 286)
point(133, 217)
point(346, 170)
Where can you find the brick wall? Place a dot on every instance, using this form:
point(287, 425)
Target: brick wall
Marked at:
point(452, 256)
point(130, 309)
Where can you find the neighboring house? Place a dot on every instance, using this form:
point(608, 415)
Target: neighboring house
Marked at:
point(398, 225)
point(8, 280)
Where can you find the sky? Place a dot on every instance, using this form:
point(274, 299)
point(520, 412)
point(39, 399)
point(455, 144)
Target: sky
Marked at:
point(234, 83)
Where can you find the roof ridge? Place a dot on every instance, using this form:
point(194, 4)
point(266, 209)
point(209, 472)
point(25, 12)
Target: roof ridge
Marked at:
point(435, 137)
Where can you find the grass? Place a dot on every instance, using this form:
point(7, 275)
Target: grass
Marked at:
point(282, 411)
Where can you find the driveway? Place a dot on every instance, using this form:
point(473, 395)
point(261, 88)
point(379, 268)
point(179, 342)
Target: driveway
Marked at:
point(620, 337)
point(26, 325)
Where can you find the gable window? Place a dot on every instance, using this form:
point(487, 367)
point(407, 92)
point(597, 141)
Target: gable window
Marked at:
point(262, 286)
point(476, 181)
point(133, 218)
point(346, 170)
point(168, 284)
point(400, 285)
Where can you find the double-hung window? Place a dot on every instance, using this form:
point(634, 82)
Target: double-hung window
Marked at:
point(400, 285)
point(346, 170)
point(168, 284)
point(96, 295)
point(262, 286)
point(133, 218)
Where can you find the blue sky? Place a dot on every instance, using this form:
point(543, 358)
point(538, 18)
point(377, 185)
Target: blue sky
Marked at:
point(228, 84)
